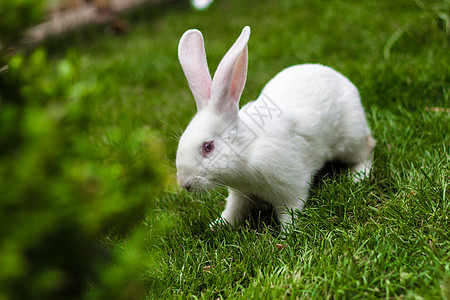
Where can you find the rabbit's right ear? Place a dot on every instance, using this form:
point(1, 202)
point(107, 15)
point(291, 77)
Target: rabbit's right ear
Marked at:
point(231, 74)
point(192, 56)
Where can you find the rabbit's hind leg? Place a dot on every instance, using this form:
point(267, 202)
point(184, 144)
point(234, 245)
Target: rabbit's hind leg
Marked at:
point(286, 212)
point(361, 169)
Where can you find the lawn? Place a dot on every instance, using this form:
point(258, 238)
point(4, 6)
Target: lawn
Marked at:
point(386, 237)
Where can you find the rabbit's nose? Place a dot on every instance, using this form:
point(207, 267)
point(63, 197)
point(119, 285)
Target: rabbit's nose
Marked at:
point(187, 187)
point(185, 181)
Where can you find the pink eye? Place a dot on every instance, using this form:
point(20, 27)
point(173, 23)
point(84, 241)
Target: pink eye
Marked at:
point(207, 148)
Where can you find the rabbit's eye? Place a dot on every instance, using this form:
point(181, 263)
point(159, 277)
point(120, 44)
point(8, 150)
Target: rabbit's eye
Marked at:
point(207, 148)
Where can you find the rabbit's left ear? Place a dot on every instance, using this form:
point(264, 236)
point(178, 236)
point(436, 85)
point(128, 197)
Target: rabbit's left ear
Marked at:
point(229, 79)
point(192, 56)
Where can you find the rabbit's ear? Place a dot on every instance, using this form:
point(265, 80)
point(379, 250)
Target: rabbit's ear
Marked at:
point(229, 79)
point(192, 56)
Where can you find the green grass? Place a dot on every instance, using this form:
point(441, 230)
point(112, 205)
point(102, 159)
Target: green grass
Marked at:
point(387, 237)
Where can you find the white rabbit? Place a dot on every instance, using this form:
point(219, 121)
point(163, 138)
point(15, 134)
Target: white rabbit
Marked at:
point(271, 148)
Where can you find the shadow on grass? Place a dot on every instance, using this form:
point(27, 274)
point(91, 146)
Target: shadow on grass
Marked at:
point(263, 219)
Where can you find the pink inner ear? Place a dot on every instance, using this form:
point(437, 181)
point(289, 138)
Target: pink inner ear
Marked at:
point(206, 87)
point(230, 77)
point(191, 52)
point(239, 77)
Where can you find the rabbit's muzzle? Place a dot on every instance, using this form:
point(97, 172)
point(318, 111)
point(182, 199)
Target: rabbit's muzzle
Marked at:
point(193, 183)
point(187, 187)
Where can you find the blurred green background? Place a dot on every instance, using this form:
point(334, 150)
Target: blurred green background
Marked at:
point(89, 122)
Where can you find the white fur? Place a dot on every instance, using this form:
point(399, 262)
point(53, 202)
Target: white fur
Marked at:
point(271, 148)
